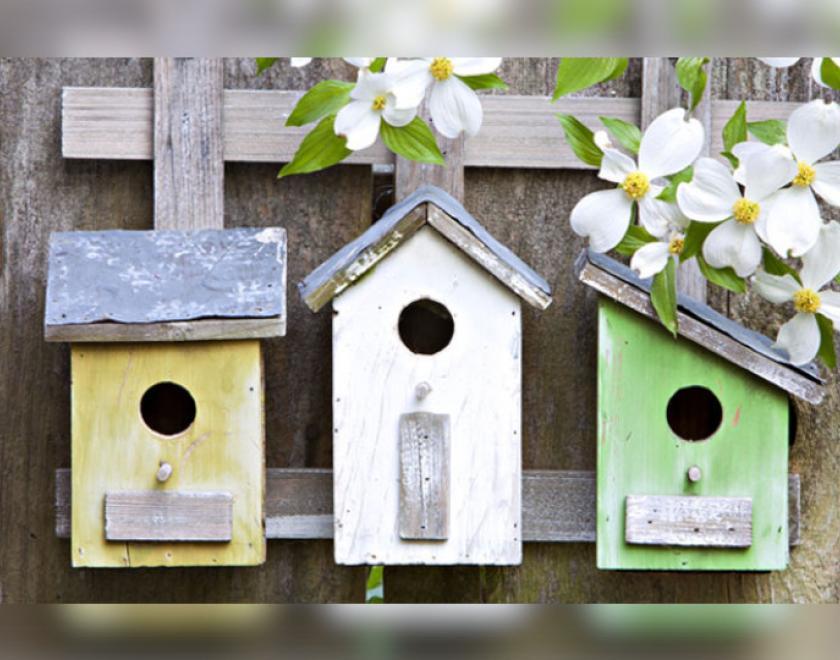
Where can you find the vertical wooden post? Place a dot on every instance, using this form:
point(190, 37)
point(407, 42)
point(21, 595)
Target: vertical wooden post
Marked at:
point(188, 149)
point(660, 92)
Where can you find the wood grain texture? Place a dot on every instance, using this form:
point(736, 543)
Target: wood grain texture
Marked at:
point(640, 454)
point(189, 167)
point(204, 330)
point(690, 521)
point(168, 516)
point(114, 450)
point(424, 477)
point(475, 380)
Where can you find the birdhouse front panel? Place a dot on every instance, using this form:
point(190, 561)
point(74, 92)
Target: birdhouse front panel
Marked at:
point(427, 421)
point(692, 455)
point(168, 465)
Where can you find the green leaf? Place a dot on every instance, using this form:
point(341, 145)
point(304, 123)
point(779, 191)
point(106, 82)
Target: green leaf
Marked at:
point(695, 236)
point(577, 73)
point(663, 296)
point(484, 81)
point(830, 73)
point(723, 277)
point(735, 130)
point(325, 98)
point(692, 77)
point(378, 64)
point(627, 135)
point(775, 266)
point(581, 141)
point(414, 141)
point(670, 192)
point(732, 158)
point(769, 131)
point(321, 148)
point(264, 63)
point(827, 352)
point(635, 238)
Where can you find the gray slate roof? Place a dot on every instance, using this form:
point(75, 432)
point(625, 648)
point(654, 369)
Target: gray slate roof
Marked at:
point(165, 276)
point(351, 252)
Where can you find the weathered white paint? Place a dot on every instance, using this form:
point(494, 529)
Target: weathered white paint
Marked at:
point(476, 380)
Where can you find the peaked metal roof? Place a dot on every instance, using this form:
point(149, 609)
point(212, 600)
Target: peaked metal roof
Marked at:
point(357, 257)
point(745, 348)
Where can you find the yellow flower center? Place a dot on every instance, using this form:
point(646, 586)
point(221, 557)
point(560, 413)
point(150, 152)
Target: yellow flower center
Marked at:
point(807, 301)
point(746, 211)
point(676, 246)
point(441, 68)
point(379, 103)
point(805, 176)
point(636, 185)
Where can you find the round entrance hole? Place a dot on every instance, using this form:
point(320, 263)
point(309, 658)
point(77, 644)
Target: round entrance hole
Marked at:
point(426, 327)
point(167, 408)
point(695, 413)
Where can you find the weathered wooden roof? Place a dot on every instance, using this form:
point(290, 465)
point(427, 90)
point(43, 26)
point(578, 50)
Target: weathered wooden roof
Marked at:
point(701, 324)
point(431, 205)
point(166, 285)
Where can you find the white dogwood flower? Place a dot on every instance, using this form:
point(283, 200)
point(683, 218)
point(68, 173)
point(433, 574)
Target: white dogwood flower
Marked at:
point(652, 258)
point(298, 62)
point(813, 132)
point(669, 145)
point(785, 62)
point(800, 336)
point(360, 62)
point(373, 100)
point(713, 195)
point(453, 105)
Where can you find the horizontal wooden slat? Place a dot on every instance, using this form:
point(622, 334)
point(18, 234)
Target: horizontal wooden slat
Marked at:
point(168, 516)
point(692, 521)
point(518, 131)
point(558, 505)
point(201, 330)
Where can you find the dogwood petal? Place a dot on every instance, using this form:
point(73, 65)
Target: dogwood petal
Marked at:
point(615, 166)
point(792, 221)
point(298, 62)
point(767, 171)
point(814, 130)
point(411, 78)
point(650, 259)
point(602, 140)
point(800, 337)
point(454, 107)
point(774, 288)
point(710, 195)
point(816, 69)
point(827, 182)
point(360, 62)
point(359, 123)
point(370, 85)
point(822, 263)
point(474, 66)
point(742, 151)
point(830, 306)
point(603, 217)
point(779, 62)
point(660, 218)
point(733, 245)
point(398, 116)
point(670, 144)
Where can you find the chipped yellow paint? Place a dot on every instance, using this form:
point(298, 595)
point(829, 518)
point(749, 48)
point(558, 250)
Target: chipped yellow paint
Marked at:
point(113, 449)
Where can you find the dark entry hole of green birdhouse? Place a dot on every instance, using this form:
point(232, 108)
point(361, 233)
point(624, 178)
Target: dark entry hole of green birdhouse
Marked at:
point(426, 327)
point(695, 413)
point(167, 408)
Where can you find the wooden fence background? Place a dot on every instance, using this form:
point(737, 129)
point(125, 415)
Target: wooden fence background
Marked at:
point(527, 209)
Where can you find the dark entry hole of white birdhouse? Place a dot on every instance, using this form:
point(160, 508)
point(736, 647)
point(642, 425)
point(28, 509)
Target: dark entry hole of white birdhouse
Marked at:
point(695, 413)
point(167, 408)
point(426, 327)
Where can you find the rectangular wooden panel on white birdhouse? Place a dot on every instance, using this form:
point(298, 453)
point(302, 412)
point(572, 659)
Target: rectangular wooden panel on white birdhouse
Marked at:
point(167, 433)
point(427, 369)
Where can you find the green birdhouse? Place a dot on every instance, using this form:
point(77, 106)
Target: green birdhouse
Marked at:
point(693, 434)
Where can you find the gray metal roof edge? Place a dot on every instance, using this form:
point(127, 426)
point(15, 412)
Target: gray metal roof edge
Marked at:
point(427, 193)
point(750, 339)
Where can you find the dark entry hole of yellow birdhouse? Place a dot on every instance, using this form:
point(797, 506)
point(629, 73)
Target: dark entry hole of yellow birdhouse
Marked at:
point(167, 408)
point(695, 413)
point(426, 327)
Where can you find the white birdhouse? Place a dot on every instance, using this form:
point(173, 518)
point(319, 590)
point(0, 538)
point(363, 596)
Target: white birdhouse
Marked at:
point(427, 376)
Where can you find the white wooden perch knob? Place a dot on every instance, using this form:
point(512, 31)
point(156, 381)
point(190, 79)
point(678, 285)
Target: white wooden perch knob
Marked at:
point(164, 472)
point(694, 474)
point(422, 391)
